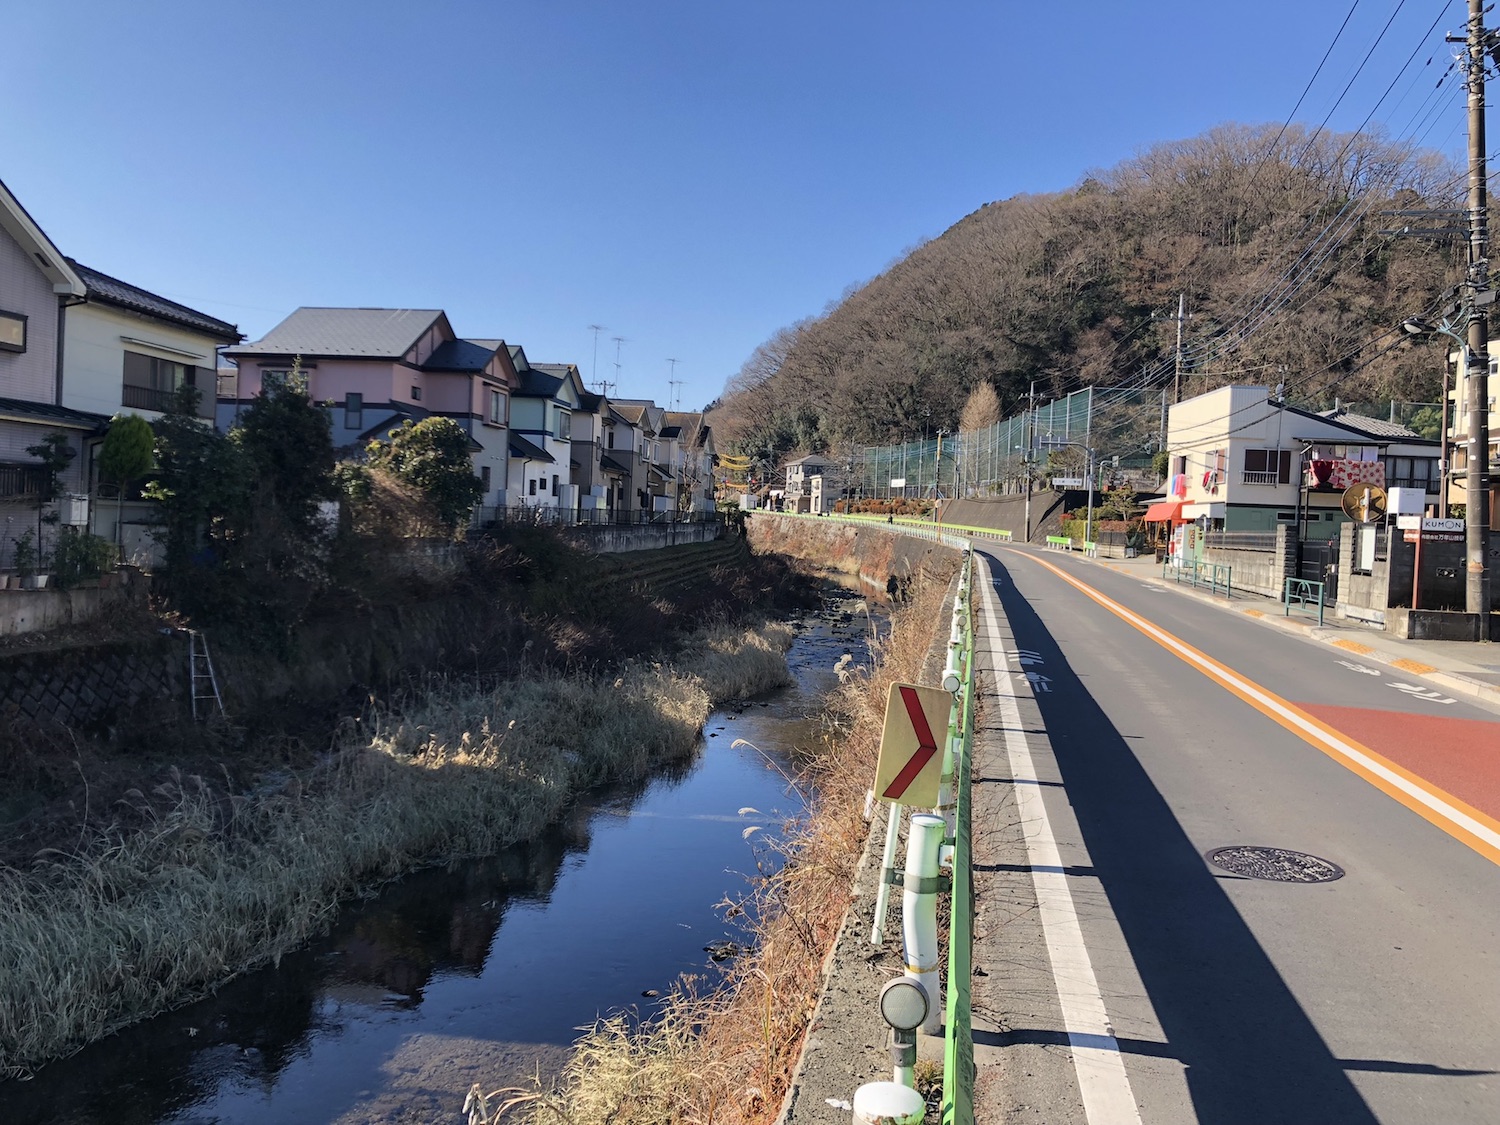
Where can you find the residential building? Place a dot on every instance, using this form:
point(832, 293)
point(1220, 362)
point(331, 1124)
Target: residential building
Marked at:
point(37, 284)
point(128, 348)
point(600, 474)
point(692, 458)
point(652, 485)
point(810, 484)
point(376, 368)
point(541, 449)
point(1460, 417)
point(1240, 460)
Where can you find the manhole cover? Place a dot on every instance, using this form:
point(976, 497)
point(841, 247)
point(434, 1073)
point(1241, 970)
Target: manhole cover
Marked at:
point(1276, 864)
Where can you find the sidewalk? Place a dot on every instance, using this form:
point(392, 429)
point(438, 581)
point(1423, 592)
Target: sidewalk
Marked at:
point(1464, 667)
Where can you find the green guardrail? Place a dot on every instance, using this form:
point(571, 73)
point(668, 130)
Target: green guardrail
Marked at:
point(1216, 576)
point(1059, 543)
point(968, 530)
point(957, 1107)
point(1303, 590)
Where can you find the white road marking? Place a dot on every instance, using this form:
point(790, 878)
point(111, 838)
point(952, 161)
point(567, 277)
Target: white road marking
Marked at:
point(1353, 667)
point(1102, 1080)
point(1422, 693)
point(1039, 682)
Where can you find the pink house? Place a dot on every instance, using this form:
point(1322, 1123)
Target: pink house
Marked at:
point(375, 368)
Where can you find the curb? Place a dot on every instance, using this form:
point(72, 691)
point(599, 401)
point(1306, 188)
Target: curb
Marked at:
point(1449, 678)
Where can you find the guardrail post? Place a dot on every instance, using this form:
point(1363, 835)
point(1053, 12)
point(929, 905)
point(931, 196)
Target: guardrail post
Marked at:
point(919, 910)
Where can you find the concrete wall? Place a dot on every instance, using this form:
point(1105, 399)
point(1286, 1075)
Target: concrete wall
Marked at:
point(870, 553)
point(608, 539)
point(33, 611)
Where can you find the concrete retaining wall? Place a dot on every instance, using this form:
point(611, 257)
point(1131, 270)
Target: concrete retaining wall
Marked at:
point(86, 687)
point(606, 539)
point(35, 611)
point(870, 553)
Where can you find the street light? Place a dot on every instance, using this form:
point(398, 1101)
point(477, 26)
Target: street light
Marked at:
point(1476, 473)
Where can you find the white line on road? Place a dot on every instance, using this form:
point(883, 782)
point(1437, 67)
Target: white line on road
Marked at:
point(1102, 1081)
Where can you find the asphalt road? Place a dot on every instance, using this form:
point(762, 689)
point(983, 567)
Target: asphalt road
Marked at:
point(1123, 967)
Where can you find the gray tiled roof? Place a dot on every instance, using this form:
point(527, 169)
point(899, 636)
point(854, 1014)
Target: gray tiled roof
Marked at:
point(376, 333)
point(21, 410)
point(538, 384)
point(113, 291)
point(520, 447)
point(459, 355)
point(1375, 427)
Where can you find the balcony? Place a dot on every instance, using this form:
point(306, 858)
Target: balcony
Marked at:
point(134, 397)
point(1251, 476)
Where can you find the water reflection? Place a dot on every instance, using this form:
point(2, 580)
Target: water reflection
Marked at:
point(422, 990)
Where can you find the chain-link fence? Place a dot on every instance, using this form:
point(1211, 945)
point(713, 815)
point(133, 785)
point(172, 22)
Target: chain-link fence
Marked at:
point(1118, 428)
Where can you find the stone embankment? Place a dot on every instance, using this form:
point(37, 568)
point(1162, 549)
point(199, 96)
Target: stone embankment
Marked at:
point(872, 554)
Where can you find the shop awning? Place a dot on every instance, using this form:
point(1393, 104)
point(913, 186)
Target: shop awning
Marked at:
point(1167, 510)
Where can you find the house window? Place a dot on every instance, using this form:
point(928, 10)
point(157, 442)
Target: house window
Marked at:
point(274, 380)
point(564, 425)
point(531, 486)
point(1268, 466)
point(496, 411)
point(554, 484)
point(150, 382)
point(484, 476)
point(416, 394)
point(611, 438)
point(354, 411)
point(12, 331)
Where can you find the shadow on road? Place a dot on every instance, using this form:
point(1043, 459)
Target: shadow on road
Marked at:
point(1251, 1053)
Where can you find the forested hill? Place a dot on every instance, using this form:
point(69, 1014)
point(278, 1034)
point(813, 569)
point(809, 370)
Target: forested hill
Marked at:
point(1273, 236)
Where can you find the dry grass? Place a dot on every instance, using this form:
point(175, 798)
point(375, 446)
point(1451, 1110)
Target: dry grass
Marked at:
point(140, 918)
point(729, 1059)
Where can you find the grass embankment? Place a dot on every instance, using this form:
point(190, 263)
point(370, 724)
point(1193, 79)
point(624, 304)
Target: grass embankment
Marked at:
point(728, 1058)
point(207, 882)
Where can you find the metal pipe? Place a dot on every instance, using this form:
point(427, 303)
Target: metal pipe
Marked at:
point(887, 869)
point(919, 911)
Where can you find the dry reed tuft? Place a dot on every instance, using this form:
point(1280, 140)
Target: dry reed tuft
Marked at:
point(736, 1066)
point(139, 919)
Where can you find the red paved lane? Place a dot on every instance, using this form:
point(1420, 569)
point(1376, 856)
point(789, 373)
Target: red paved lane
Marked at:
point(1459, 756)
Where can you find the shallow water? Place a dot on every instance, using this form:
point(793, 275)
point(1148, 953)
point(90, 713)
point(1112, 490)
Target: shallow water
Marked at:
point(482, 972)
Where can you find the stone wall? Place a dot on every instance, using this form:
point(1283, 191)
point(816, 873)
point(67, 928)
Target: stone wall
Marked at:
point(870, 553)
point(87, 688)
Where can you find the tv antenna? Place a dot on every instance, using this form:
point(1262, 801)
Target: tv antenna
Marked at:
point(594, 374)
point(675, 397)
point(619, 340)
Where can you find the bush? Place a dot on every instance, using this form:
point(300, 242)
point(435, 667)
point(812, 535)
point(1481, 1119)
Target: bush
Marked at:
point(79, 555)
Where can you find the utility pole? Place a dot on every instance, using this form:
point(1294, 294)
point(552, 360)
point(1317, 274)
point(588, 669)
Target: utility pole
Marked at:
point(1477, 479)
point(1026, 453)
point(1177, 365)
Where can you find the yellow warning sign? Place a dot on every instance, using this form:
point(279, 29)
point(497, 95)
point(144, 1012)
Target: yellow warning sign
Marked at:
point(911, 746)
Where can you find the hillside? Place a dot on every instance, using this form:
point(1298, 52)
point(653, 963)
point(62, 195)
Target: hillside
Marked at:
point(1273, 237)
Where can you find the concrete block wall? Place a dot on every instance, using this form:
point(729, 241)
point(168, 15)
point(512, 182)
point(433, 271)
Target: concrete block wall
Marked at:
point(87, 687)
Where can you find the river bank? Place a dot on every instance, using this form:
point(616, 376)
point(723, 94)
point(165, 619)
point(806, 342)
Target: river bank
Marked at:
point(730, 1056)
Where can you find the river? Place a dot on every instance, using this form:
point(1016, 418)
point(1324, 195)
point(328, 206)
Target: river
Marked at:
point(483, 971)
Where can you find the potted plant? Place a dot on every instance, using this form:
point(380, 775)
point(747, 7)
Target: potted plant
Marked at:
point(26, 562)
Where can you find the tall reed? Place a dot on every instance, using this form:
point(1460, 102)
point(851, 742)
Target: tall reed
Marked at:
point(209, 883)
point(729, 1058)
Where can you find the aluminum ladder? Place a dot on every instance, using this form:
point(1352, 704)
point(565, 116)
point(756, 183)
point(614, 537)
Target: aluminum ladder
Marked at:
point(203, 684)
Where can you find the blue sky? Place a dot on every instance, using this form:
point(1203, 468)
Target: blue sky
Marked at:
point(690, 175)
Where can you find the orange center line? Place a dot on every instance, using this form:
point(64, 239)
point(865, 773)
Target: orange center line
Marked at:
point(1459, 820)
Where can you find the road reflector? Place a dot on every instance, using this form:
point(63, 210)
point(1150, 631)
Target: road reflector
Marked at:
point(911, 756)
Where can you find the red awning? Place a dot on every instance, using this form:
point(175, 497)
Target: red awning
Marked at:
point(1166, 510)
